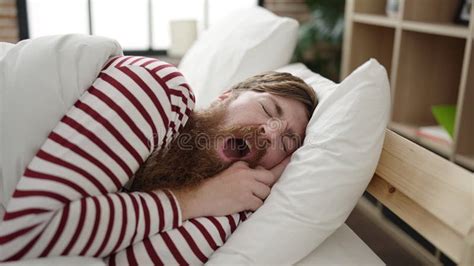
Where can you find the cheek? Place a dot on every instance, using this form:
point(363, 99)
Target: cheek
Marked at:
point(272, 157)
point(241, 115)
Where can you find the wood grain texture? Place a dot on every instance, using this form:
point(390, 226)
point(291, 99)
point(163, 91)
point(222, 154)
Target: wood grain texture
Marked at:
point(430, 10)
point(431, 62)
point(371, 42)
point(430, 193)
point(370, 6)
point(434, 230)
point(429, 59)
point(465, 143)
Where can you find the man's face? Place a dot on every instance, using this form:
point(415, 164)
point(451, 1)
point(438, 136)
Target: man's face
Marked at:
point(259, 128)
point(281, 121)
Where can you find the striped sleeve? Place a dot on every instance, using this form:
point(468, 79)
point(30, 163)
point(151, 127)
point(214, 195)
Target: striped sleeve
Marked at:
point(191, 244)
point(68, 201)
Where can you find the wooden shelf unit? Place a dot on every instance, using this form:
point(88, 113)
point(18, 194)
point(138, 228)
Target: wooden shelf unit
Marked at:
point(429, 59)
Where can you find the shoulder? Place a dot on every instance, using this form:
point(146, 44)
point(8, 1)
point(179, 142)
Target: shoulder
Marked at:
point(163, 73)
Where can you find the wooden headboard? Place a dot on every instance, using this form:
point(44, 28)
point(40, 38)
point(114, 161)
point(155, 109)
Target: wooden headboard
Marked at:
point(430, 193)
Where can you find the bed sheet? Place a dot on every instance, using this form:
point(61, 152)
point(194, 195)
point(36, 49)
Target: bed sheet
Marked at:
point(343, 247)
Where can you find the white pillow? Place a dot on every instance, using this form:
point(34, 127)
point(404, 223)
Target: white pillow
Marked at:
point(326, 176)
point(245, 43)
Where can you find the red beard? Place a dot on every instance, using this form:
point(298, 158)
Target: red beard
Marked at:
point(192, 156)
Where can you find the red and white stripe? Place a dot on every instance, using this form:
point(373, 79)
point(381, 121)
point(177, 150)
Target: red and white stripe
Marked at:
point(68, 200)
point(191, 244)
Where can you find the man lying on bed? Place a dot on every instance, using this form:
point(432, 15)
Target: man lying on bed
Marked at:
point(75, 197)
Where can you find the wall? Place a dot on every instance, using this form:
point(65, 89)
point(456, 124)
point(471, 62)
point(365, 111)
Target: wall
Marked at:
point(296, 9)
point(8, 21)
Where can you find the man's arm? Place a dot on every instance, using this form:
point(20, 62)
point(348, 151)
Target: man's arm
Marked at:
point(196, 240)
point(191, 244)
point(67, 202)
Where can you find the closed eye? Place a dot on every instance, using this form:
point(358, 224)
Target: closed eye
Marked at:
point(290, 142)
point(284, 142)
point(265, 110)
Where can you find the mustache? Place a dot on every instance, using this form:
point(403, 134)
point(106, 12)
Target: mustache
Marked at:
point(203, 141)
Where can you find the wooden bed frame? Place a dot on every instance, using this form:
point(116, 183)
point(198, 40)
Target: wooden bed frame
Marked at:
point(428, 192)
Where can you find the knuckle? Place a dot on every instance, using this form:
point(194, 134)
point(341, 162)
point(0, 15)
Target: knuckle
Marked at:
point(240, 164)
point(269, 174)
point(272, 178)
point(267, 191)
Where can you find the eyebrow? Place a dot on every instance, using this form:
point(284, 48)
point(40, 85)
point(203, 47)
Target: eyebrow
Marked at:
point(278, 107)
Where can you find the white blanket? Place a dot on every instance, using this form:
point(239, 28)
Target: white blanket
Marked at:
point(40, 80)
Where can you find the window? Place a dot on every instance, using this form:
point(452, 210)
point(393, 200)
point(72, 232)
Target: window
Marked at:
point(123, 20)
point(46, 17)
point(139, 25)
point(176, 9)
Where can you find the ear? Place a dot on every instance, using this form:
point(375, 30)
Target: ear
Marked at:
point(225, 95)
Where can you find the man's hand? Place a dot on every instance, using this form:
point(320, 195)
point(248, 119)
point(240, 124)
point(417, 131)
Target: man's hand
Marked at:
point(238, 188)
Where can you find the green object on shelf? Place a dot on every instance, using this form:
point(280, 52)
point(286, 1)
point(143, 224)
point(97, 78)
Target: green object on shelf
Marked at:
point(445, 115)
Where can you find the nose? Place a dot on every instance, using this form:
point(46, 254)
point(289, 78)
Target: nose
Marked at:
point(273, 129)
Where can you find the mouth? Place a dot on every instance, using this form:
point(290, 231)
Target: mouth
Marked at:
point(235, 149)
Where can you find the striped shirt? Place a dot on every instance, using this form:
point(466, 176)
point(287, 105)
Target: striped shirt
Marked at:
point(69, 199)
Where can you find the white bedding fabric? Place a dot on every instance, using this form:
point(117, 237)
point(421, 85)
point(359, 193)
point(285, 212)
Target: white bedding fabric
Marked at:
point(39, 81)
point(246, 42)
point(68, 75)
point(326, 176)
point(343, 247)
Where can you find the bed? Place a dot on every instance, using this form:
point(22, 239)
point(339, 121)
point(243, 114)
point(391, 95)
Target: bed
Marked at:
point(343, 241)
point(431, 194)
point(428, 192)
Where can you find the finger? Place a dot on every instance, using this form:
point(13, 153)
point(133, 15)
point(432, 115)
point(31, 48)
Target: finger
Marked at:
point(260, 190)
point(240, 164)
point(264, 176)
point(254, 203)
point(278, 169)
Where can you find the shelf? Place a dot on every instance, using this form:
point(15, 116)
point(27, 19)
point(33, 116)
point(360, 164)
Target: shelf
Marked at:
point(445, 29)
point(430, 60)
point(369, 41)
point(370, 6)
point(429, 73)
point(409, 131)
point(465, 160)
point(377, 20)
point(434, 11)
point(465, 142)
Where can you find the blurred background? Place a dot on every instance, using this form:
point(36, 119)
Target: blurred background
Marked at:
point(161, 27)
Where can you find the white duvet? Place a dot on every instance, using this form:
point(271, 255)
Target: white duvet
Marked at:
point(41, 79)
